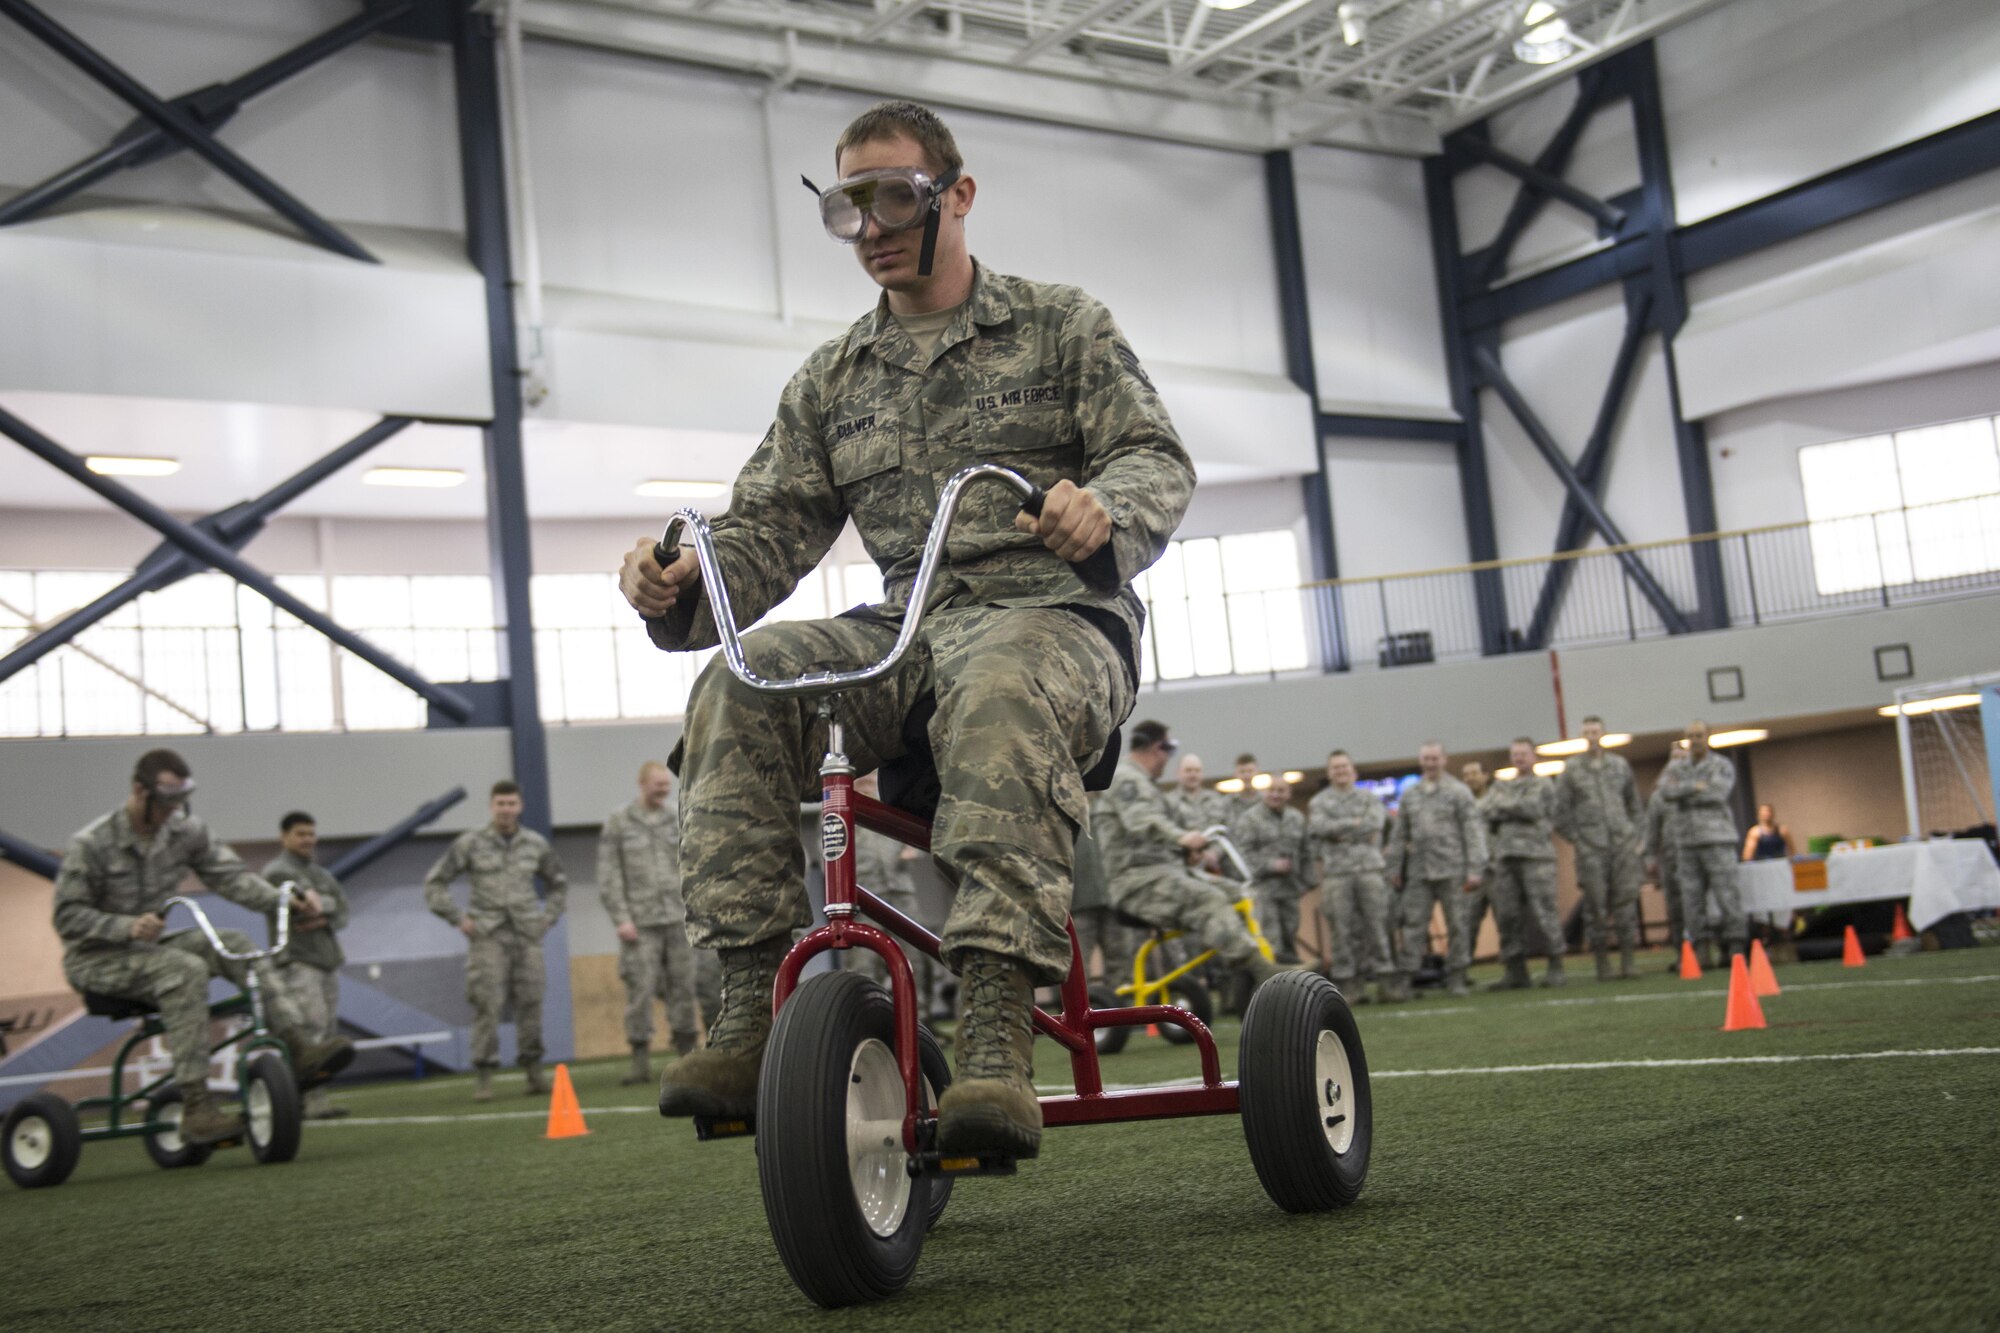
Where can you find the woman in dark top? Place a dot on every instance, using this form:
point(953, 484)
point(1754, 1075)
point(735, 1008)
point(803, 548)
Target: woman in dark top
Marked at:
point(1768, 840)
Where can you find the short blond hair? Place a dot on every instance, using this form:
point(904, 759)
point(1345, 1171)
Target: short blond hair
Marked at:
point(652, 766)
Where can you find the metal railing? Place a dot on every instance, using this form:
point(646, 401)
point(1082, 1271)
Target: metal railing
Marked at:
point(1788, 571)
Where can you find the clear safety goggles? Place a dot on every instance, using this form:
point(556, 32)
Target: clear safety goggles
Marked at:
point(898, 198)
point(173, 795)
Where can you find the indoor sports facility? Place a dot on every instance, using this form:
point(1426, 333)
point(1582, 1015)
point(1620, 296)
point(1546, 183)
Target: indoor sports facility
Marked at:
point(744, 664)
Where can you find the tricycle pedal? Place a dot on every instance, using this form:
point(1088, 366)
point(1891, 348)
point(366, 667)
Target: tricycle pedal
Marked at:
point(961, 1164)
point(707, 1127)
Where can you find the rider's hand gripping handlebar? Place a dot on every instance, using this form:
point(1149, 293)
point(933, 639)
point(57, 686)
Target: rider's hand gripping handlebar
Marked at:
point(1218, 836)
point(284, 931)
point(1099, 569)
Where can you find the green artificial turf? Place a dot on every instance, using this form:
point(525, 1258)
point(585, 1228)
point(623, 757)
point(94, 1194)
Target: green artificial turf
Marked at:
point(1827, 1195)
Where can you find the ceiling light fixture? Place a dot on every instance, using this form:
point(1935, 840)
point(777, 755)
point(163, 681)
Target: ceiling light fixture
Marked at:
point(417, 478)
point(1293, 775)
point(1229, 786)
point(1577, 744)
point(1918, 707)
point(114, 465)
point(680, 490)
point(1227, 4)
point(1506, 774)
point(1722, 740)
point(1546, 38)
point(1353, 23)
point(1548, 768)
point(1261, 781)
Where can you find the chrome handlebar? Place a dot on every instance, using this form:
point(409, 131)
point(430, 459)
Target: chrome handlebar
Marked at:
point(1218, 836)
point(207, 927)
point(826, 682)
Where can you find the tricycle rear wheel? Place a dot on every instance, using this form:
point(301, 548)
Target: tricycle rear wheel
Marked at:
point(41, 1141)
point(1303, 1086)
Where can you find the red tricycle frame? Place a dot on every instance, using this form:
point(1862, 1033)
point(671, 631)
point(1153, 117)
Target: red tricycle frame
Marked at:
point(842, 810)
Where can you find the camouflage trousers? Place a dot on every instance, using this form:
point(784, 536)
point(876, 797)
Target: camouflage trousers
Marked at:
point(1414, 903)
point(1356, 907)
point(1521, 887)
point(503, 966)
point(1098, 930)
point(1608, 878)
point(1173, 897)
point(1670, 889)
point(317, 994)
point(1278, 918)
point(659, 963)
point(1711, 902)
point(172, 976)
point(1475, 905)
point(1026, 697)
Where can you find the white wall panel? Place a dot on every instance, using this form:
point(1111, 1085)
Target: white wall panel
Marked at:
point(160, 303)
point(1905, 290)
point(369, 136)
point(1371, 288)
point(1763, 94)
point(1396, 506)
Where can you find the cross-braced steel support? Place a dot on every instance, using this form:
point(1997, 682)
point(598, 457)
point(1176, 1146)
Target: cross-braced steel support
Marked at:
point(169, 125)
point(167, 564)
point(205, 549)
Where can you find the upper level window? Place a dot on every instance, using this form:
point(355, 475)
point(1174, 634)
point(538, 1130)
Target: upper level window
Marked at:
point(1914, 506)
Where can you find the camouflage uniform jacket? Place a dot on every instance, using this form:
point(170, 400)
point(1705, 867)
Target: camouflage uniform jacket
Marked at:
point(1346, 828)
point(1029, 375)
point(639, 865)
point(1202, 809)
point(109, 877)
point(1660, 823)
point(1438, 833)
point(1090, 889)
point(502, 872)
point(1264, 836)
point(1699, 791)
point(1597, 802)
point(1519, 814)
point(1132, 825)
point(318, 948)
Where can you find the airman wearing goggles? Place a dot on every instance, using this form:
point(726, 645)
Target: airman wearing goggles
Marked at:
point(897, 198)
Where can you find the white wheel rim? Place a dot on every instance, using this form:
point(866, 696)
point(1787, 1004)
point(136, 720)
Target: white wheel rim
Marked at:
point(257, 1106)
point(32, 1142)
point(1333, 1092)
point(876, 1164)
point(169, 1138)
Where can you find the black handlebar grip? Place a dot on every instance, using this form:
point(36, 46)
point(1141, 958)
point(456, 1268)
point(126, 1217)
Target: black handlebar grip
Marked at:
point(662, 556)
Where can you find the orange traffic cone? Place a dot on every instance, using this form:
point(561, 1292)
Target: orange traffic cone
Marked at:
point(1902, 930)
point(1690, 969)
point(1762, 979)
point(1850, 952)
point(1743, 1013)
point(565, 1116)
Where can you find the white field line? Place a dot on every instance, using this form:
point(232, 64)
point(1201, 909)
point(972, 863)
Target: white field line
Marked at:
point(474, 1116)
point(1710, 993)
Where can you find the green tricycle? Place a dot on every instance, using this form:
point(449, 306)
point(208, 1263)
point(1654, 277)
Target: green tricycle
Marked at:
point(43, 1136)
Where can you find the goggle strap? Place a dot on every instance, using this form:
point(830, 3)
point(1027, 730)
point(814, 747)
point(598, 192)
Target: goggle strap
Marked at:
point(931, 219)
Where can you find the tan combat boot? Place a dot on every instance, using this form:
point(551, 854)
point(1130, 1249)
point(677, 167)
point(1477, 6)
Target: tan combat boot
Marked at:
point(721, 1081)
point(202, 1121)
point(537, 1085)
point(315, 1061)
point(1626, 971)
point(1516, 977)
point(1603, 963)
point(642, 1066)
point(991, 1106)
point(1456, 985)
point(684, 1042)
point(1554, 975)
point(482, 1084)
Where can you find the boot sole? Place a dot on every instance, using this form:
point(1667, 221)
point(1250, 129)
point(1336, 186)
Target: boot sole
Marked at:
point(339, 1060)
point(978, 1130)
point(684, 1101)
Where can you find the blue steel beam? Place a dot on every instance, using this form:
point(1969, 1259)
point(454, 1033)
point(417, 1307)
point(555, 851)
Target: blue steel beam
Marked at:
point(201, 546)
point(28, 856)
point(177, 122)
point(360, 857)
point(166, 564)
point(1295, 321)
point(1905, 172)
point(144, 142)
point(1552, 160)
point(1360, 426)
point(1607, 216)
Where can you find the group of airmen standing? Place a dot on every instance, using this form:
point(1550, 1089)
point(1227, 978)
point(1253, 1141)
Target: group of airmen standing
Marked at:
point(1456, 847)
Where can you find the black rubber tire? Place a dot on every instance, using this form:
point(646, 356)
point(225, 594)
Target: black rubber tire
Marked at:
point(269, 1076)
point(937, 1073)
point(1282, 1103)
point(181, 1153)
point(1189, 994)
point(827, 1246)
point(51, 1123)
point(1109, 1041)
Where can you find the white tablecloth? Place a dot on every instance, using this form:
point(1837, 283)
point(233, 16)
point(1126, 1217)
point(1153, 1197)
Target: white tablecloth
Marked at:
point(1938, 878)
